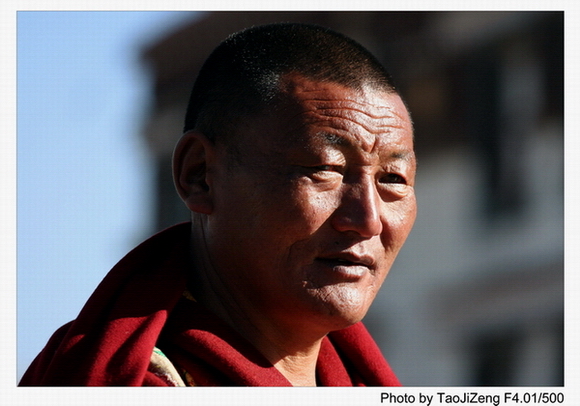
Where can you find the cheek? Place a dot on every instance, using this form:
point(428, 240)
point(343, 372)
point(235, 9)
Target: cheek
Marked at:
point(293, 220)
point(299, 202)
point(279, 215)
point(314, 208)
point(398, 220)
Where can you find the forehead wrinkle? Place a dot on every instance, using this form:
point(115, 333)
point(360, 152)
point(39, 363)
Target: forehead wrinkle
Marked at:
point(337, 140)
point(338, 121)
point(369, 122)
point(366, 109)
point(338, 115)
point(364, 113)
point(348, 104)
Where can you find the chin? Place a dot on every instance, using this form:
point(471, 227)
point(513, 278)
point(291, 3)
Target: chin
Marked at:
point(343, 308)
point(341, 320)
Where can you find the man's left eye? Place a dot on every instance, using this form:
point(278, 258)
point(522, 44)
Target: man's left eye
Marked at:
point(393, 178)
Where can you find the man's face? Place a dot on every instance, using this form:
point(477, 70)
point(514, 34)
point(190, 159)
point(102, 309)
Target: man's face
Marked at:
point(309, 218)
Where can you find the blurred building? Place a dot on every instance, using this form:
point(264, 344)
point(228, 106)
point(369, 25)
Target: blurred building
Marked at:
point(476, 295)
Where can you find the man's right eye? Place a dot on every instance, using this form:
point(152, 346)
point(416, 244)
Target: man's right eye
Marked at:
point(323, 173)
point(323, 168)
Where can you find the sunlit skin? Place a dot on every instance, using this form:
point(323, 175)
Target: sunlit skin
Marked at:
point(298, 233)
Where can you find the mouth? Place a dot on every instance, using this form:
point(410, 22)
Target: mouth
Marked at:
point(347, 265)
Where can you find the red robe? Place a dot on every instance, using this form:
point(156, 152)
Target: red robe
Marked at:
point(140, 305)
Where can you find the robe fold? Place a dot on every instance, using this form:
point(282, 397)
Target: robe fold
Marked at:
point(140, 306)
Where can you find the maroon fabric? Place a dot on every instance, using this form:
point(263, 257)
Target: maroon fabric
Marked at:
point(139, 305)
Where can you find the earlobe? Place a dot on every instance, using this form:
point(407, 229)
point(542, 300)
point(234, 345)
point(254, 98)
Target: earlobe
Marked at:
point(191, 158)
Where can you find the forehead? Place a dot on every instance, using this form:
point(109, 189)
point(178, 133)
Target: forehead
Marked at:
point(313, 113)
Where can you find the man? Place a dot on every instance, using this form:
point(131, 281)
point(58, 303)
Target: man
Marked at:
point(297, 164)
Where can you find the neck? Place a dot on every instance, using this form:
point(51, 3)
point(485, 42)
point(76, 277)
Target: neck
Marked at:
point(292, 352)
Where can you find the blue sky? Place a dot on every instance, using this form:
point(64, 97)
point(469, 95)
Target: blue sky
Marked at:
point(83, 172)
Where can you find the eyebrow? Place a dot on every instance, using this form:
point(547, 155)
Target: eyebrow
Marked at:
point(332, 139)
point(404, 155)
point(336, 140)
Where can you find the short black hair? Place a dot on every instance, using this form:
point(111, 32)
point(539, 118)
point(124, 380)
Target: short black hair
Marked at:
point(243, 73)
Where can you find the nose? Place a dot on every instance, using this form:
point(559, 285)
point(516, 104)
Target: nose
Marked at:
point(359, 210)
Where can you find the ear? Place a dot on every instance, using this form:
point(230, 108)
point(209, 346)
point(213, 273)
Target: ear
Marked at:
point(191, 156)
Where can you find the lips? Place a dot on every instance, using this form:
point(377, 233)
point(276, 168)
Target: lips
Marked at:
point(347, 258)
point(348, 263)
